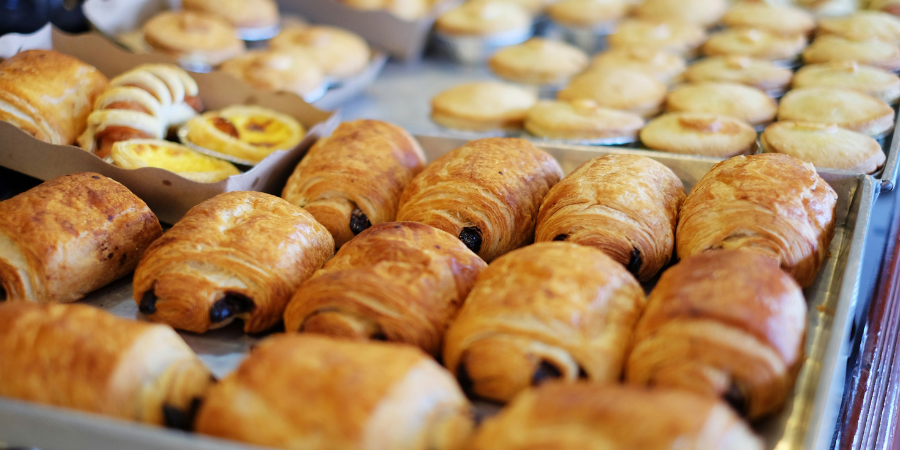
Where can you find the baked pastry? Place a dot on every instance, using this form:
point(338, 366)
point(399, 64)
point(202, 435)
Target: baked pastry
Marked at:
point(830, 48)
point(586, 415)
point(664, 66)
point(769, 203)
point(483, 18)
point(551, 310)
point(246, 132)
point(354, 395)
point(888, 6)
point(679, 38)
point(582, 120)
point(194, 37)
point(625, 205)
point(354, 178)
point(538, 61)
point(239, 13)
point(700, 12)
point(725, 323)
point(84, 358)
point(236, 255)
point(70, 236)
point(620, 88)
point(777, 19)
point(176, 158)
point(482, 106)
point(404, 9)
point(852, 110)
point(588, 13)
point(863, 26)
point(759, 73)
point(829, 8)
point(824, 145)
point(696, 133)
point(487, 192)
point(141, 103)
point(755, 43)
point(401, 282)
point(731, 99)
point(48, 94)
point(278, 70)
point(338, 52)
point(878, 83)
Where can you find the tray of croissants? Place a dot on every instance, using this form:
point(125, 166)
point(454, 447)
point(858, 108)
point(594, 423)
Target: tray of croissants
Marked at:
point(404, 292)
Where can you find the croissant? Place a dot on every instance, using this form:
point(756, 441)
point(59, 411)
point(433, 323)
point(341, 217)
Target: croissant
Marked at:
point(625, 205)
point(591, 416)
point(80, 357)
point(236, 255)
point(140, 104)
point(487, 192)
point(770, 203)
point(312, 392)
point(549, 310)
point(727, 323)
point(70, 236)
point(400, 282)
point(353, 179)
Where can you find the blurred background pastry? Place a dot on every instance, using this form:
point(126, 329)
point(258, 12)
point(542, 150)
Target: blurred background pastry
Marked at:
point(863, 26)
point(618, 88)
point(824, 145)
point(680, 38)
point(586, 23)
point(731, 99)
point(473, 31)
point(582, 120)
point(246, 132)
point(701, 12)
point(337, 52)
point(664, 66)
point(481, 106)
point(239, 13)
point(293, 71)
point(197, 38)
point(759, 73)
point(852, 110)
point(831, 48)
point(756, 43)
point(695, 133)
point(873, 81)
point(777, 19)
point(538, 61)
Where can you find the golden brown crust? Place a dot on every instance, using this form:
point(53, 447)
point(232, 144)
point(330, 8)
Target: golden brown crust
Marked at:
point(277, 70)
point(488, 190)
point(695, 133)
point(240, 13)
point(677, 37)
point(770, 203)
point(878, 83)
point(480, 18)
point(778, 19)
point(755, 43)
point(848, 109)
point(400, 282)
point(481, 106)
point(664, 66)
point(362, 168)
point(618, 88)
point(726, 323)
point(824, 145)
point(730, 99)
point(863, 26)
point(538, 61)
point(625, 205)
point(581, 119)
point(758, 73)
point(238, 254)
point(70, 236)
point(830, 48)
point(700, 12)
point(193, 36)
point(587, 13)
point(246, 132)
point(300, 391)
point(549, 310)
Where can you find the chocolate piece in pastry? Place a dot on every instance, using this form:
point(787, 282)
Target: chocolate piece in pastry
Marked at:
point(84, 358)
point(549, 310)
point(353, 179)
point(770, 203)
point(728, 323)
point(400, 281)
point(70, 236)
point(487, 192)
point(48, 95)
point(236, 255)
point(304, 391)
point(625, 205)
point(193, 37)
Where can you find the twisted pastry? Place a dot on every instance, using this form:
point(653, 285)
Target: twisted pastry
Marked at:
point(727, 323)
point(769, 203)
point(354, 178)
point(80, 357)
point(625, 205)
point(487, 192)
point(140, 104)
point(401, 282)
point(236, 255)
point(549, 310)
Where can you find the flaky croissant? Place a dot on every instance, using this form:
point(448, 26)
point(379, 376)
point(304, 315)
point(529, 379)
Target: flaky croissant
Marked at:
point(769, 203)
point(236, 255)
point(549, 310)
point(487, 192)
point(625, 205)
point(353, 179)
point(399, 281)
point(727, 323)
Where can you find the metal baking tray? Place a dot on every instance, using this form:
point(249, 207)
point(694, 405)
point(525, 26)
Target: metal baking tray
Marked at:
point(806, 422)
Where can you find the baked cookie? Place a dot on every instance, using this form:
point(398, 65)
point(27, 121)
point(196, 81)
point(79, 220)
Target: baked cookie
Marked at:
point(587, 13)
point(863, 26)
point(700, 12)
point(824, 145)
point(176, 158)
point(759, 73)
point(873, 81)
point(701, 134)
point(755, 43)
point(626, 89)
point(582, 120)
point(278, 70)
point(481, 106)
point(674, 37)
point(538, 61)
point(830, 48)
point(240, 13)
point(483, 18)
point(731, 99)
point(246, 132)
point(338, 52)
point(852, 110)
point(664, 66)
point(777, 19)
point(193, 36)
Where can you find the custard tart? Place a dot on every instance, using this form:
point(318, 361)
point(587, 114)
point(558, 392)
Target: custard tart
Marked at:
point(195, 166)
point(248, 133)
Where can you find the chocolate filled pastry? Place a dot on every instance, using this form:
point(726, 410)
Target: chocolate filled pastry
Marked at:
point(84, 358)
point(552, 310)
point(48, 94)
point(625, 205)
point(769, 203)
point(727, 323)
point(487, 192)
point(140, 104)
point(70, 236)
point(236, 255)
point(401, 282)
point(592, 416)
point(353, 179)
point(303, 391)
